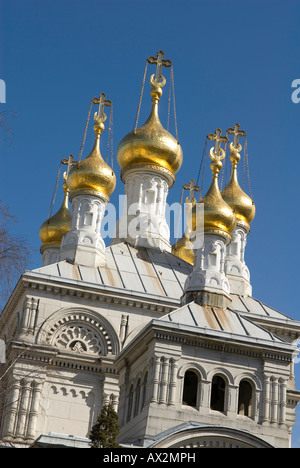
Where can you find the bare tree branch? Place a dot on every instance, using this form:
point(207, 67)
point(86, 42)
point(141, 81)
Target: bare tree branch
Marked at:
point(14, 255)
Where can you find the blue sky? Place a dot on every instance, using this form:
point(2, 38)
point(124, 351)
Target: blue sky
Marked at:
point(233, 62)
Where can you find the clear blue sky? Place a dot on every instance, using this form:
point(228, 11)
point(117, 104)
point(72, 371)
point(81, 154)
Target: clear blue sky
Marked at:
point(234, 61)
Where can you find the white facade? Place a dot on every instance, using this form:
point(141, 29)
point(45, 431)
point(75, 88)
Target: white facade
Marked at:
point(237, 271)
point(143, 222)
point(79, 337)
point(83, 245)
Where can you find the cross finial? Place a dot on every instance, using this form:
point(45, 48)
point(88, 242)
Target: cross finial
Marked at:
point(100, 116)
point(68, 162)
point(159, 61)
point(236, 132)
point(217, 153)
point(192, 189)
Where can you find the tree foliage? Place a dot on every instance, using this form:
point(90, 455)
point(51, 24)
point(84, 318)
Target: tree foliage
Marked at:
point(105, 432)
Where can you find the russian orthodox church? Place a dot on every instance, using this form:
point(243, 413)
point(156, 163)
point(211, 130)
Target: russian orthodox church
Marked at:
point(171, 336)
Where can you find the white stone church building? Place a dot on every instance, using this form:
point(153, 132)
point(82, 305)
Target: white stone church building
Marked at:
point(171, 336)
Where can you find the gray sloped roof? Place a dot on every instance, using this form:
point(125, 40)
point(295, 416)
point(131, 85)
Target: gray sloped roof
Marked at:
point(154, 272)
point(226, 321)
point(142, 270)
point(254, 306)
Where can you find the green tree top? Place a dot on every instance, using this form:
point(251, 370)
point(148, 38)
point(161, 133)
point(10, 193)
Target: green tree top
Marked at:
point(106, 429)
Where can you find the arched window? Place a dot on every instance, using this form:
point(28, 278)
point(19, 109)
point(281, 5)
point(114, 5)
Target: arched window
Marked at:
point(217, 400)
point(190, 389)
point(245, 398)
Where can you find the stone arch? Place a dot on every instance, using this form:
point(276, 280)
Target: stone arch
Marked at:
point(256, 382)
point(223, 372)
point(79, 330)
point(192, 366)
point(209, 437)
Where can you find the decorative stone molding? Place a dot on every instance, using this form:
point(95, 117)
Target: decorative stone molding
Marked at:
point(83, 244)
point(79, 331)
point(79, 339)
point(208, 277)
point(102, 294)
point(236, 269)
point(143, 222)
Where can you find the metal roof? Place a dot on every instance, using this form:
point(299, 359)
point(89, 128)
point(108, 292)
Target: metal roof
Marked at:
point(142, 270)
point(149, 271)
point(223, 320)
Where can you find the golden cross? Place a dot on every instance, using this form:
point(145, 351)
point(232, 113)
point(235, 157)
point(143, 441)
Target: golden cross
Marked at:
point(160, 62)
point(217, 152)
point(236, 132)
point(192, 188)
point(68, 162)
point(102, 102)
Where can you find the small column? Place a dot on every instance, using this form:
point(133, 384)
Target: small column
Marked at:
point(232, 402)
point(164, 380)
point(173, 380)
point(26, 314)
point(23, 409)
point(274, 400)
point(266, 401)
point(34, 410)
point(283, 403)
point(12, 404)
point(34, 309)
point(156, 373)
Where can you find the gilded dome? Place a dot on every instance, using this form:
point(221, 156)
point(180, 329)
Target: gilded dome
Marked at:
point(55, 228)
point(218, 215)
point(92, 174)
point(183, 249)
point(151, 145)
point(236, 198)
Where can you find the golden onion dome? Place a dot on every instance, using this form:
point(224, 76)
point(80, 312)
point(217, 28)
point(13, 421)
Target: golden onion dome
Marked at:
point(218, 215)
point(151, 145)
point(236, 198)
point(183, 249)
point(55, 228)
point(93, 175)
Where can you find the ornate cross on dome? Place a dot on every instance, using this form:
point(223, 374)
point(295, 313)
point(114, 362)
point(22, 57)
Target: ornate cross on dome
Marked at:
point(217, 153)
point(236, 132)
point(192, 189)
point(102, 102)
point(160, 62)
point(68, 162)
